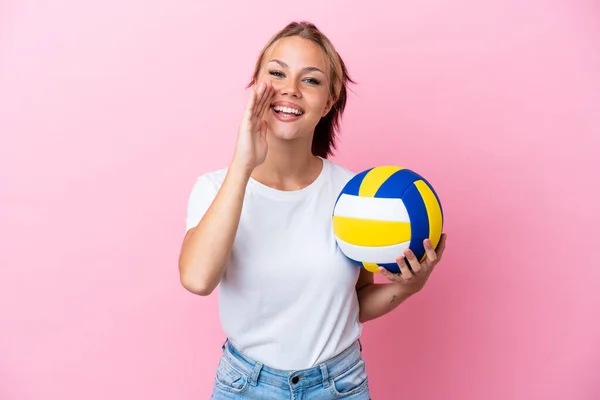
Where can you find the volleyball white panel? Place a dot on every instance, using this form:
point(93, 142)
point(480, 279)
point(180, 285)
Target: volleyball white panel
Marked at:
point(378, 255)
point(382, 209)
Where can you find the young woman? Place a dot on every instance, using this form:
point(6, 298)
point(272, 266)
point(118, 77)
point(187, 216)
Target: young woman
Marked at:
point(291, 304)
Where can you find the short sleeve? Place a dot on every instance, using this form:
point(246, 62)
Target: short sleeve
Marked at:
point(201, 197)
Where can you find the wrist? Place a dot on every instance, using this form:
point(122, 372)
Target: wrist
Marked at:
point(239, 171)
point(403, 290)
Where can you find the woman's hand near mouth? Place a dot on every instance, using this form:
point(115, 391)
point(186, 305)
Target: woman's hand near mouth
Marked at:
point(251, 147)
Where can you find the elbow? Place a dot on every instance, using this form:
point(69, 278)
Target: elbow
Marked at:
point(362, 318)
point(195, 285)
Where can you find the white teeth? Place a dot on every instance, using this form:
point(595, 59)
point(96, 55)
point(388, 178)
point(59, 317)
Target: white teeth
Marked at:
point(287, 110)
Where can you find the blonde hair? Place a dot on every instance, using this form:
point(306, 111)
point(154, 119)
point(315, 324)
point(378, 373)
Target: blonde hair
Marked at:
point(327, 128)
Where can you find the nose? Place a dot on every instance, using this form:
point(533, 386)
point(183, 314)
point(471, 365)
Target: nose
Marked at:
point(290, 88)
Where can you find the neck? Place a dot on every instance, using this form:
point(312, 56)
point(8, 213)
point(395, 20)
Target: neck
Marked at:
point(289, 165)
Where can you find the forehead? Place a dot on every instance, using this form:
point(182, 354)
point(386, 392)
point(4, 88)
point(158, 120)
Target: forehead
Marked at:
point(298, 53)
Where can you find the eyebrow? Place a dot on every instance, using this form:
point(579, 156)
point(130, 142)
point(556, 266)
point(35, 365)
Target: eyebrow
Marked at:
point(306, 69)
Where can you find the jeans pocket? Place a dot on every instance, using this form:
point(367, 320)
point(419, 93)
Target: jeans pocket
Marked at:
point(229, 378)
point(352, 381)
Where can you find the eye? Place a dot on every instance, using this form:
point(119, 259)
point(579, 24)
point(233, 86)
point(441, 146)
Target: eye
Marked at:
point(313, 81)
point(280, 74)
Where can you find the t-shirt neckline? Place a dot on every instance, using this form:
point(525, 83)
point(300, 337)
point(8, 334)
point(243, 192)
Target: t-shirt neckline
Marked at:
point(292, 194)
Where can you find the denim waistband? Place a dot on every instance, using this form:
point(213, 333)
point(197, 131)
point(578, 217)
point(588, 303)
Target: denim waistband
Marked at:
point(320, 374)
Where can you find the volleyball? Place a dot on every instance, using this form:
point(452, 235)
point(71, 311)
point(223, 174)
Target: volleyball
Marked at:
point(381, 212)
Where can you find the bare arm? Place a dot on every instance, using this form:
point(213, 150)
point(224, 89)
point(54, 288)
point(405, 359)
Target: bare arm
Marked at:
point(207, 247)
point(376, 300)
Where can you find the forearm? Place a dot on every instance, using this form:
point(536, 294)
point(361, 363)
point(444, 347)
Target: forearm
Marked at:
point(207, 247)
point(376, 300)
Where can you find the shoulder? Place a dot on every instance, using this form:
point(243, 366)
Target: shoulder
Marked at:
point(206, 185)
point(212, 178)
point(202, 193)
point(340, 175)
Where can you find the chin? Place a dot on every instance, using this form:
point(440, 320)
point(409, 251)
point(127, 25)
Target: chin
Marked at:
point(285, 134)
point(287, 130)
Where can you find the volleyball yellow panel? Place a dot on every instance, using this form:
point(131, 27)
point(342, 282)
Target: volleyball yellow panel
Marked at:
point(434, 212)
point(382, 211)
point(371, 232)
point(371, 267)
point(374, 178)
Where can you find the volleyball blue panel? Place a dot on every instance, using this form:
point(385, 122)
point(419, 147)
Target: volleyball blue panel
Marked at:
point(396, 184)
point(379, 184)
point(392, 267)
point(419, 223)
point(353, 186)
point(355, 261)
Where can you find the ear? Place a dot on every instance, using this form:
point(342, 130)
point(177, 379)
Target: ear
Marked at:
point(328, 106)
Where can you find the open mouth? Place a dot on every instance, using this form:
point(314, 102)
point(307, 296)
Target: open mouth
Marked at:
point(287, 111)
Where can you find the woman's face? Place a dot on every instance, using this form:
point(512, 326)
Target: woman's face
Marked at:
point(299, 72)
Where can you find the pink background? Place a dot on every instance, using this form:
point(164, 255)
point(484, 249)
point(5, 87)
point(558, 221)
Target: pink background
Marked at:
point(109, 110)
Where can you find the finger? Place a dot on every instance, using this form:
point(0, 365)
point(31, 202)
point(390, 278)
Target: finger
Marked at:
point(389, 275)
point(251, 102)
point(260, 88)
point(262, 99)
point(255, 98)
point(413, 261)
point(404, 271)
point(265, 101)
point(441, 247)
point(430, 251)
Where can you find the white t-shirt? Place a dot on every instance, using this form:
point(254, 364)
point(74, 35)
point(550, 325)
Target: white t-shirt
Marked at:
point(288, 297)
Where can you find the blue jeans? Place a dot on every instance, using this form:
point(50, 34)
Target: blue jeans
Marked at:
point(342, 377)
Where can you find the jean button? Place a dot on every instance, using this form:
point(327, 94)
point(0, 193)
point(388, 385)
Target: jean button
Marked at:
point(295, 380)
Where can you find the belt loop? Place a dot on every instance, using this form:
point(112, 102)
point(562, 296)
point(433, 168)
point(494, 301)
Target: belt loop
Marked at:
point(255, 373)
point(325, 374)
point(224, 343)
point(360, 345)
